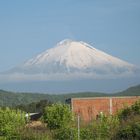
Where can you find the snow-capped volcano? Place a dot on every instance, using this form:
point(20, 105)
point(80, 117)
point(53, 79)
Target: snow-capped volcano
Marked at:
point(73, 59)
point(71, 66)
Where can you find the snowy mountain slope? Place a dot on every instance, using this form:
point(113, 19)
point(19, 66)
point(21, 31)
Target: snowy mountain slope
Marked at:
point(73, 59)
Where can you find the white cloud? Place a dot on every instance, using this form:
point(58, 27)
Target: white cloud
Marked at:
point(15, 77)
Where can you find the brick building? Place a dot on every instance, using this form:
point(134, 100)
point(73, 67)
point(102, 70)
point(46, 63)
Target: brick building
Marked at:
point(89, 108)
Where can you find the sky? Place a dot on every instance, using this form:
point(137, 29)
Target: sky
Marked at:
point(28, 27)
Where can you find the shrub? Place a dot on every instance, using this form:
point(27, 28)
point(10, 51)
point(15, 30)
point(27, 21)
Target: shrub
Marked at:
point(33, 134)
point(86, 134)
point(66, 133)
point(129, 129)
point(104, 127)
point(11, 121)
point(57, 116)
point(128, 112)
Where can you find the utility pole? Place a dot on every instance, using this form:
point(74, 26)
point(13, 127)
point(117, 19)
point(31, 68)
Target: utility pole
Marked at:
point(110, 105)
point(78, 124)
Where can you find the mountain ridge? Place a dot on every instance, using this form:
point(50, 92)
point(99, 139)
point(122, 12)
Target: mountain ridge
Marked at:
point(8, 98)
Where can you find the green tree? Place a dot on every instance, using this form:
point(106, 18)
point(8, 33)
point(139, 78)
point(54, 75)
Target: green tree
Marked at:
point(57, 115)
point(11, 121)
point(34, 106)
point(129, 123)
point(130, 111)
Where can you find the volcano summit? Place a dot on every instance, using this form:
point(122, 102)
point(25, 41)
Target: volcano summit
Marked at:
point(72, 60)
point(71, 66)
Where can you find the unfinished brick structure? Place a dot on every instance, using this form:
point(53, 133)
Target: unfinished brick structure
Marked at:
point(89, 108)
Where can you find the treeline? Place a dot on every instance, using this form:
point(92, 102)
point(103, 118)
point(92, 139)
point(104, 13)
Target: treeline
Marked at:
point(33, 107)
point(13, 99)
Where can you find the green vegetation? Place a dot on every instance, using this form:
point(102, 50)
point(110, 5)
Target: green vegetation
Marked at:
point(57, 116)
point(13, 99)
point(66, 133)
point(11, 121)
point(34, 106)
point(129, 128)
point(132, 91)
point(101, 129)
point(58, 123)
point(123, 126)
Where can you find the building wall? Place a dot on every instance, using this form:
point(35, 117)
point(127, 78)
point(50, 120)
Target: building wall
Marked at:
point(89, 108)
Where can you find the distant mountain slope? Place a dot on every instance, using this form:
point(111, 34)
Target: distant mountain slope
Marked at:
point(12, 99)
point(130, 91)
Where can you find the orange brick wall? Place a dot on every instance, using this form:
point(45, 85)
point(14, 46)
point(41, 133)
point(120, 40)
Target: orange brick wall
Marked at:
point(119, 103)
point(89, 108)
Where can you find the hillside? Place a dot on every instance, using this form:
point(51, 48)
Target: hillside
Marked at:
point(130, 91)
point(12, 99)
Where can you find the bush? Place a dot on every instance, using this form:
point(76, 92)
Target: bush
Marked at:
point(104, 127)
point(11, 121)
point(57, 116)
point(128, 112)
point(129, 130)
point(87, 134)
point(66, 133)
point(33, 134)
